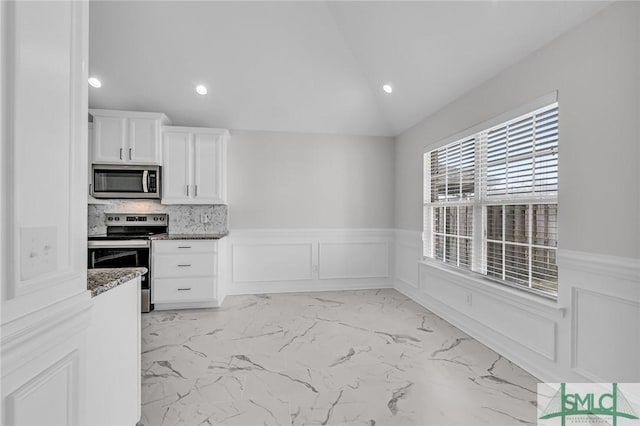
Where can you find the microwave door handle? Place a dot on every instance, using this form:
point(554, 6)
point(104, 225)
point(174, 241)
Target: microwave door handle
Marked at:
point(145, 179)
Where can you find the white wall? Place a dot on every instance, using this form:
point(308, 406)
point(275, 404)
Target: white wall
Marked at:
point(593, 331)
point(291, 180)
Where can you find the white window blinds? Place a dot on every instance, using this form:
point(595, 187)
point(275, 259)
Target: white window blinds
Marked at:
point(521, 157)
point(452, 171)
point(450, 188)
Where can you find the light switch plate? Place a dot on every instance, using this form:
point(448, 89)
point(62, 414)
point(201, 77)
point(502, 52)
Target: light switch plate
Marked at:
point(38, 251)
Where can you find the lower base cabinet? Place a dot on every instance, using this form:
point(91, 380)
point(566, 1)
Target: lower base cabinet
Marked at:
point(114, 352)
point(185, 274)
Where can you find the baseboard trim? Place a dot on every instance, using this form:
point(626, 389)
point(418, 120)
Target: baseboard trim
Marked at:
point(305, 287)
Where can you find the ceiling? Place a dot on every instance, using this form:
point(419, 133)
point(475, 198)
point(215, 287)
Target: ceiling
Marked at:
point(313, 67)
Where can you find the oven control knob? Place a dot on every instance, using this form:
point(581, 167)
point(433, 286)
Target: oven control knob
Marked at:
point(109, 218)
point(117, 219)
point(155, 219)
point(162, 219)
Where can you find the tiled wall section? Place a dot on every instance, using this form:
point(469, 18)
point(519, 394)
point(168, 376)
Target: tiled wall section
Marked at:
point(183, 219)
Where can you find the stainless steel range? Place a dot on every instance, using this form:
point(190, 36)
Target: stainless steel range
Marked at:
point(127, 244)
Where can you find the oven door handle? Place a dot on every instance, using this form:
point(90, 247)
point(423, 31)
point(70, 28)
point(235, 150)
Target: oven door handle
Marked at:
point(119, 244)
point(145, 179)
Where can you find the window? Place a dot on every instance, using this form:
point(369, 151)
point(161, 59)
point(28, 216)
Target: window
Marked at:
point(490, 202)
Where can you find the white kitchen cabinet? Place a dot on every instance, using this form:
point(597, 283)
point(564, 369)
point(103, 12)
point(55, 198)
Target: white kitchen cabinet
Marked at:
point(114, 357)
point(194, 165)
point(185, 273)
point(175, 172)
point(127, 137)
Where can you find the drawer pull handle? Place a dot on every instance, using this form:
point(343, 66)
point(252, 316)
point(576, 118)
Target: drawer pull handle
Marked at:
point(183, 266)
point(185, 289)
point(184, 246)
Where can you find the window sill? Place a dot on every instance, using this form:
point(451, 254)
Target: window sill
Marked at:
point(473, 281)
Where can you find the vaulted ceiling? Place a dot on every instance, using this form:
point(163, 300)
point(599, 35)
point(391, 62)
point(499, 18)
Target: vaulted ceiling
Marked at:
point(315, 67)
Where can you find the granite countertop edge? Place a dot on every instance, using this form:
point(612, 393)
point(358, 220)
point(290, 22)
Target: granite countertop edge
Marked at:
point(170, 236)
point(104, 279)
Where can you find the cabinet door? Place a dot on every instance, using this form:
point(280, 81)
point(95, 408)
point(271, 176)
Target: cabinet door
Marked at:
point(109, 136)
point(209, 162)
point(176, 179)
point(144, 141)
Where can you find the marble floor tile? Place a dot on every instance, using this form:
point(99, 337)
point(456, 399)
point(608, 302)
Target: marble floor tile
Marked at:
point(369, 357)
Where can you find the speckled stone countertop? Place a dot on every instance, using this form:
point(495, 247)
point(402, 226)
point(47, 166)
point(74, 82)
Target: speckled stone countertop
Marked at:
point(189, 236)
point(104, 279)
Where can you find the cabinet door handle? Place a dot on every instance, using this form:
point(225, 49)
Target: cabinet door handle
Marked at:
point(187, 190)
point(130, 153)
point(196, 194)
point(121, 153)
point(184, 246)
point(184, 266)
point(185, 289)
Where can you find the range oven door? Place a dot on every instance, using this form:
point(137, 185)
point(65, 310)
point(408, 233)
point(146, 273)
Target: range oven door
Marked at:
point(123, 254)
point(112, 181)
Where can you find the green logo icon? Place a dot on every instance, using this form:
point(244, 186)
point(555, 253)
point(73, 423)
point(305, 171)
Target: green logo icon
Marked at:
point(588, 404)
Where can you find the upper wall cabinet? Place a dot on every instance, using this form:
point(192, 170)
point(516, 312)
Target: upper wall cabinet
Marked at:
point(194, 165)
point(127, 137)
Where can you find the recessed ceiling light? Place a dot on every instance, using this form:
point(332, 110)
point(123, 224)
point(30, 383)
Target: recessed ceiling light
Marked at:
point(94, 82)
point(387, 88)
point(202, 90)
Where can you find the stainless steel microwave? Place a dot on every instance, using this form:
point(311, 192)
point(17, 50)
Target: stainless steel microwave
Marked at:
point(115, 181)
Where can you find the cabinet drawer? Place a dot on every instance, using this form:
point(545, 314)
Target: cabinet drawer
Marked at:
point(185, 246)
point(170, 290)
point(183, 265)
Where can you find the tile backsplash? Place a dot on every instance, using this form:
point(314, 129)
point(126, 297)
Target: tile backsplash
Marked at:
point(183, 219)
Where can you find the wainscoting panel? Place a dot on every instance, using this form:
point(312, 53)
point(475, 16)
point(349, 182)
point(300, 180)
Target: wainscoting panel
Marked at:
point(292, 260)
point(606, 324)
point(50, 398)
point(268, 262)
point(43, 365)
point(408, 251)
point(535, 332)
point(346, 260)
point(605, 320)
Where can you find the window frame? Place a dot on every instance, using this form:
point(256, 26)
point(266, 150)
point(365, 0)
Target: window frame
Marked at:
point(481, 201)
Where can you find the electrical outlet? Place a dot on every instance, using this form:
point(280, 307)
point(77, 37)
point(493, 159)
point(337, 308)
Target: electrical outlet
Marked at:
point(205, 218)
point(38, 252)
